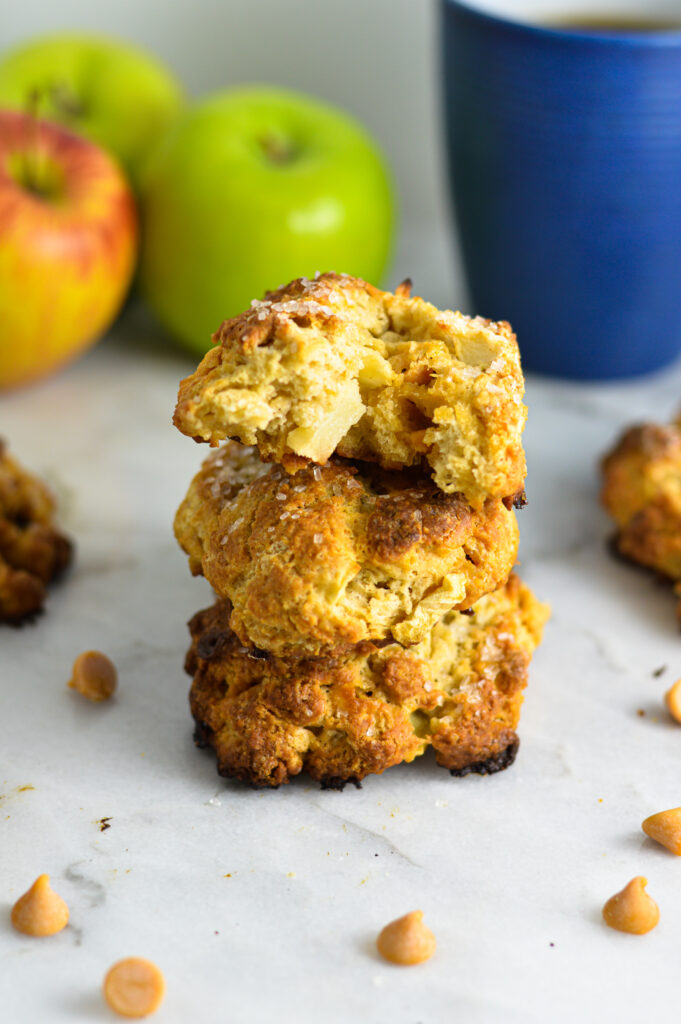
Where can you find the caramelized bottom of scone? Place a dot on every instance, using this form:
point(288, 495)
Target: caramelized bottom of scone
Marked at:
point(344, 717)
point(32, 551)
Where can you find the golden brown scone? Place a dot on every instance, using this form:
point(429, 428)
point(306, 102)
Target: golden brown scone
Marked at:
point(32, 551)
point(336, 365)
point(338, 554)
point(341, 718)
point(642, 492)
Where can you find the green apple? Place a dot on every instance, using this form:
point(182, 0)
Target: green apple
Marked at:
point(251, 188)
point(112, 93)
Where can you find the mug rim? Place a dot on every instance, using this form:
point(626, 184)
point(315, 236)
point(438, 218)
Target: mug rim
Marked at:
point(658, 38)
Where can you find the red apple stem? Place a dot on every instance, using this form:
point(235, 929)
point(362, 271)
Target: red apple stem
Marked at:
point(31, 168)
point(67, 107)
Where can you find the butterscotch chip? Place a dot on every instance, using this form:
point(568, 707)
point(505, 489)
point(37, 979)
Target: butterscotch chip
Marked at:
point(342, 717)
point(665, 828)
point(632, 910)
point(40, 911)
point(134, 987)
point(336, 365)
point(338, 553)
point(32, 551)
point(672, 699)
point(94, 676)
point(407, 940)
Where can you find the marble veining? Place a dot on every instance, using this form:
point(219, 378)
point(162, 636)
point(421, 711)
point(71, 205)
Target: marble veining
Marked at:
point(268, 904)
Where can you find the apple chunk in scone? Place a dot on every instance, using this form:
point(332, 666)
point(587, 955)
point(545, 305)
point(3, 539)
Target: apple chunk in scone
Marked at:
point(336, 365)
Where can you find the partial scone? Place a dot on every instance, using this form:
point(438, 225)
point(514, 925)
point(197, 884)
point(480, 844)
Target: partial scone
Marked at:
point(338, 553)
point(32, 551)
point(642, 492)
point(342, 718)
point(336, 365)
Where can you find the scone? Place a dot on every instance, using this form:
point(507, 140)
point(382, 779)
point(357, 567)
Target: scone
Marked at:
point(340, 553)
point(341, 718)
point(336, 365)
point(642, 492)
point(32, 551)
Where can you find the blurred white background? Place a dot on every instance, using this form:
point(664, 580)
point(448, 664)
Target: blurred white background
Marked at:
point(379, 59)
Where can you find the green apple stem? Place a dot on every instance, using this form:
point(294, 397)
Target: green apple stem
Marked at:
point(66, 103)
point(277, 149)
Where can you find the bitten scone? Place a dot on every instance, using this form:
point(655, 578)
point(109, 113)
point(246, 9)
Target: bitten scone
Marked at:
point(341, 718)
point(32, 551)
point(642, 492)
point(336, 365)
point(340, 553)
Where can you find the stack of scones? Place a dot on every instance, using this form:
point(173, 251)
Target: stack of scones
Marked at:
point(356, 521)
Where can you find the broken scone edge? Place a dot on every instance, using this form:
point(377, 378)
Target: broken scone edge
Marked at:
point(334, 364)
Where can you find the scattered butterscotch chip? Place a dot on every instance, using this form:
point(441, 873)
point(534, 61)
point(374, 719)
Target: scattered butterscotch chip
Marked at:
point(94, 676)
point(40, 911)
point(134, 987)
point(407, 940)
point(672, 699)
point(665, 828)
point(632, 910)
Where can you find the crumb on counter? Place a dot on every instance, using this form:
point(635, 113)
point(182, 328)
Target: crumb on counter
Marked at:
point(407, 940)
point(665, 828)
point(94, 676)
point(632, 910)
point(134, 987)
point(40, 911)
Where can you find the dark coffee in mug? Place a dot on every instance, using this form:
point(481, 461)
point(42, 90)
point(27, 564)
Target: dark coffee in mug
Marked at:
point(614, 23)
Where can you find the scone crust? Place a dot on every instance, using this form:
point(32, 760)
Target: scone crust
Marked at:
point(642, 492)
point(336, 365)
point(340, 553)
point(32, 550)
point(343, 717)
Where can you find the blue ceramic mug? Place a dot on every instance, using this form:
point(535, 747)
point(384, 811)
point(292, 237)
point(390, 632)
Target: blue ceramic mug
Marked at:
point(564, 149)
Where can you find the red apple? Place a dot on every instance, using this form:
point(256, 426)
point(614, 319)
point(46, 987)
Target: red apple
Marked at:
point(68, 243)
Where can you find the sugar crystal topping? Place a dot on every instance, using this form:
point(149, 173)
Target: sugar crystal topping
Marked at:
point(317, 297)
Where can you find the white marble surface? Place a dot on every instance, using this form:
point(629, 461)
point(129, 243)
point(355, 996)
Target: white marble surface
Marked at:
point(262, 906)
